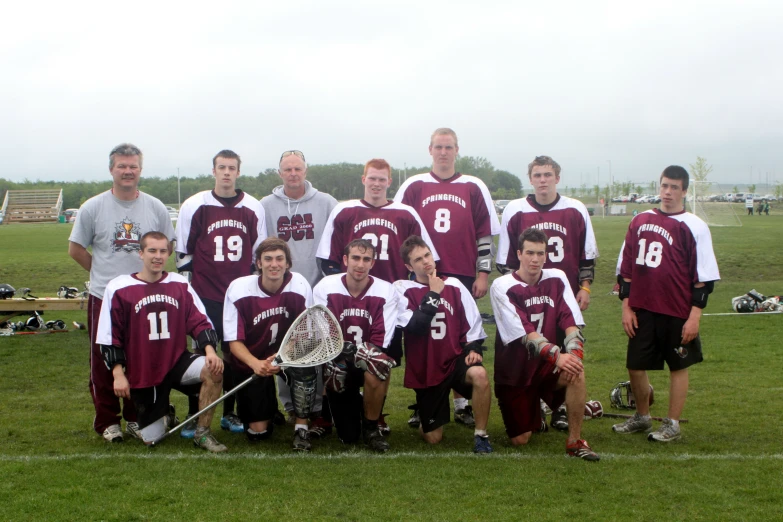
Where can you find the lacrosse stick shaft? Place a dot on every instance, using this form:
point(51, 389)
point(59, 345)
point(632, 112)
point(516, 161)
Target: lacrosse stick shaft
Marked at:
point(207, 408)
point(624, 416)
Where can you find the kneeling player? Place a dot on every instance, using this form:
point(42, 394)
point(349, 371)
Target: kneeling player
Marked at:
point(366, 308)
point(257, 313)
point(533, 306)
point(443, 337)
point(143, 327)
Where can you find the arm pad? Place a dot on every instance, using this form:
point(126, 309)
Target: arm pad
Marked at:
point(329, 267)
point(503, 269)
point(484, 261)
point(184, 263)
point(208, 336)
point(625, 288)
point(112, 356)
point(700, 295)
point(574, 344)
point(587, 270)
point(422, 318)
point(540, 347)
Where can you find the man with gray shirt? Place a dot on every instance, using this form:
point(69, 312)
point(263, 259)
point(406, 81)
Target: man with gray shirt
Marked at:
point(112, 223)
point(297, 213)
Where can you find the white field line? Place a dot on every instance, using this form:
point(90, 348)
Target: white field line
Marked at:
point(359, 455)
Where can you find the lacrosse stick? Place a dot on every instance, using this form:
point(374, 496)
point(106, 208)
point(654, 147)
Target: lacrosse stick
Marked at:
point(314, 338)
point(624, 416)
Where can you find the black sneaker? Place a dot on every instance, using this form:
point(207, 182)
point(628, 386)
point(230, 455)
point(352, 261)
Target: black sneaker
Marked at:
point(414, 421)
point(375, 441)
point(465, 416)
point(559, 419)
point(302, 440)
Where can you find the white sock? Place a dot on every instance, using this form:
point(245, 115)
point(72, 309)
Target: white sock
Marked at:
point(645, 417)
point(255, 432)
point(300, 426)
point(675, 423)
point(459, 404)
point(480, 433)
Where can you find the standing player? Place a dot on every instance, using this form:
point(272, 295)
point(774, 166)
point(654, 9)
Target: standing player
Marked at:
point(257, 314)
point(666, 271)
point(296, 212)
point(144, 323)
point(443, 337)
point(366, 308)
point(112, 223)
point(458, 213)
point(534, 308)
point(571, 247)
point(217, 232)
point(384, 223)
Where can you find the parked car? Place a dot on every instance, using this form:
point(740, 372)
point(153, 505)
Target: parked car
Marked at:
point(70, 215)
point(771, 197)
point(500, 205)
point(739, 197)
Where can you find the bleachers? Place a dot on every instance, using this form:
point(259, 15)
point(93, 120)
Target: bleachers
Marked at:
point(32, 206)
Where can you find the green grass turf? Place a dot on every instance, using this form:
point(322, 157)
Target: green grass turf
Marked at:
point(727, 465)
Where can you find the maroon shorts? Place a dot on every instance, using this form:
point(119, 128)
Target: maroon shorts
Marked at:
point(520, 406)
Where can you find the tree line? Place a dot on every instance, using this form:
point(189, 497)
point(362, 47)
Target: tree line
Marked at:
point(341, 180)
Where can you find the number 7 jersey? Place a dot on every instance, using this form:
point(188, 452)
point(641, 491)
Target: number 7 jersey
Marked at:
point(664, 255)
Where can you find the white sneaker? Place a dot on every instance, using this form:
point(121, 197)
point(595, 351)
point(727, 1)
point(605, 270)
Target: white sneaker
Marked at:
point(113, 433)
point(132, 430)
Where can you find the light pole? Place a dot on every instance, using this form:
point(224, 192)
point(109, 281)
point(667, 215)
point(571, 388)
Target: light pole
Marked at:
point(611, 181)
point(179, 193)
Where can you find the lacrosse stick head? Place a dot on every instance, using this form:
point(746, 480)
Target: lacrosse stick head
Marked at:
point(313, 339)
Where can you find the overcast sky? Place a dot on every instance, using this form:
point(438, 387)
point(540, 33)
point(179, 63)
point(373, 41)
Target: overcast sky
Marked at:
point(631, 86)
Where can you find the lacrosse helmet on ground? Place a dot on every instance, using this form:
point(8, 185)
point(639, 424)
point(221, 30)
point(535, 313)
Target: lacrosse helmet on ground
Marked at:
point(68, 292)
point(622, 397)
point(743, 304)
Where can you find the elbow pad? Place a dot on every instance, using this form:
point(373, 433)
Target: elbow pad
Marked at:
point(112, 356)
point(184, 262)
point(207, 337)
point(699, 295)
point(429, 305)
point(587, 270)
point(625, 288)
point(484, 261)
point(503, 269)
point(329, 267)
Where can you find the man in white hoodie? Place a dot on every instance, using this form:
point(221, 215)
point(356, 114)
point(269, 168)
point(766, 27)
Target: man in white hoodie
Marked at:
point(296, 212)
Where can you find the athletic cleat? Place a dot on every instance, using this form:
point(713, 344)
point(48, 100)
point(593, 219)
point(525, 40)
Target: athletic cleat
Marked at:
point(559, 419)
point(544, 426)
point(385, 428)
point(319, 428)
point(113, 433)
point(414, 421)
point(580, 449)
point(204, 439)
point(633, 425)
point(481, 444)
point(375, 441)
point(232, 423)
point(132, 430)
point(487, 318)
point(188, 431)
point(302, 440)
point(172, 419)
point(666, 433)
point(465, 416)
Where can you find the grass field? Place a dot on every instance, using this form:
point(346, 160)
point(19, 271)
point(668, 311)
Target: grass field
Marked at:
point(726, 467)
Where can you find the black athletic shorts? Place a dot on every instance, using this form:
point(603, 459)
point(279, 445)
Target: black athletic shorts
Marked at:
point(658, 339)
point(465, 280)
point(258, 400)
point(153, 403)
point(215, 313)
point(395, 347)
point(434, 409)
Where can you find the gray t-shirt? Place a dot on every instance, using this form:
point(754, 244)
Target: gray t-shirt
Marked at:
point(113, 228)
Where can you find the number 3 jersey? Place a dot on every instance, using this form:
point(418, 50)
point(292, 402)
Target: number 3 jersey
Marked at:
point(259, 318)
point(386, 227)
point(457, 212)
point(547, 307)
point(431, 357)
point(664, 255)
point(221, 238)
point(151, 322)
point(565, 222)
point(369, 317)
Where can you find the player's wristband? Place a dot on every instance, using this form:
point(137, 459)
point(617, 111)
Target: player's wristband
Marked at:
point(586, 289)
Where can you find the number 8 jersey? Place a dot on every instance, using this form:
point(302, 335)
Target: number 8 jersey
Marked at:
point(221, 238)
point(664, 255)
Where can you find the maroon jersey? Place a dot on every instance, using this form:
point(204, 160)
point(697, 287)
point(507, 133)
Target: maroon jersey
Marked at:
point(456, 212)
point(151, 322)
point(547, 307)
point(664, 255)
point(221, 240)
point(565, 222)
point(431, 357)
point(368, 317)
point(385, 227)
point(260, 319)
